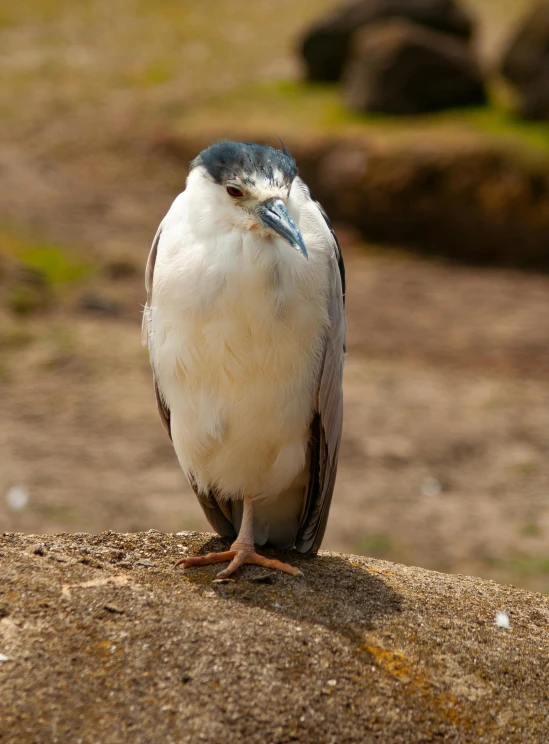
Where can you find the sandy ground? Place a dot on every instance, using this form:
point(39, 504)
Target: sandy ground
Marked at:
point(444, 459)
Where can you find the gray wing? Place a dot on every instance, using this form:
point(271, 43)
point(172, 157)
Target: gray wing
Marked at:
point(327, 422)
point(163, 409)
point(217, 512)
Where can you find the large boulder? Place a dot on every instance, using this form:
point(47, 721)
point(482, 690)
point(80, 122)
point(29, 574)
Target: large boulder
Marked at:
point(528, 49)
point(401, 68)
point(326, 45)
point(525, 63)
point(102, 641)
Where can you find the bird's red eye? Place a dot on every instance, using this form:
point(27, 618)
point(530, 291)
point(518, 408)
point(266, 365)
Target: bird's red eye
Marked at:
point(234, 192)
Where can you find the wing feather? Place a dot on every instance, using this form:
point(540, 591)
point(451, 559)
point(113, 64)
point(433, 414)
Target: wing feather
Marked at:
point(328, 418)
point(146, 340)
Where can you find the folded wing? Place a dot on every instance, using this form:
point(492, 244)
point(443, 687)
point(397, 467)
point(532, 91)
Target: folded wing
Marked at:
point(328, 417)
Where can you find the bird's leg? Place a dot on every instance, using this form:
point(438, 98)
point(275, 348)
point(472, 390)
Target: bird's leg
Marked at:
point(242, 550)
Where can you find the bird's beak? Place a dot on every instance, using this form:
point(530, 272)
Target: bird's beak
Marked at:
point(274, 216)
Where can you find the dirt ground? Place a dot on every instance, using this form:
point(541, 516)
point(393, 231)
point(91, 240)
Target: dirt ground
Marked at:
point(444, 461)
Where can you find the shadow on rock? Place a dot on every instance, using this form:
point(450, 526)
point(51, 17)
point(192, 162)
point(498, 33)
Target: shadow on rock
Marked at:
point(335, 593)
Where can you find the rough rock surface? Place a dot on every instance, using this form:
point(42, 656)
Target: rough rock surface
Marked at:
point(102, 641)
point(525, 63)
point(326, 46)
point(400, 68)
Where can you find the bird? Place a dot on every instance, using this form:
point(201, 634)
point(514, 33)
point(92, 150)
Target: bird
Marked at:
point(245, 325)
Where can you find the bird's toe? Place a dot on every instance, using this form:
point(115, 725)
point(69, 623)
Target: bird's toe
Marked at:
point(237, 559)
point(206, 560)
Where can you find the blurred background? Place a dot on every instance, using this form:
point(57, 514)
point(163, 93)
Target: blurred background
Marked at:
point(422, 126)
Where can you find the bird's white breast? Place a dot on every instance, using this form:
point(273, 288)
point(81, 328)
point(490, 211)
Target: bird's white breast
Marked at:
point(236, 333)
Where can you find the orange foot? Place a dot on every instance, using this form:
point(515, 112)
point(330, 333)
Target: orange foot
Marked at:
point(238, 558)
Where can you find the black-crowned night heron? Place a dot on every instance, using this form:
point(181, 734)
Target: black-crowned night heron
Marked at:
point(246, 332)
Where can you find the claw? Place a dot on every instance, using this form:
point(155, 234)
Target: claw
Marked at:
point(237, 559)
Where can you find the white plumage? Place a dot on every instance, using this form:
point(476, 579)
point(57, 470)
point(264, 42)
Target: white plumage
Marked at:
point(238, 322)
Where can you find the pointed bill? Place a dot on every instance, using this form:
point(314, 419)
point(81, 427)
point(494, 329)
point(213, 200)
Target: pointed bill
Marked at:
point(274, 216)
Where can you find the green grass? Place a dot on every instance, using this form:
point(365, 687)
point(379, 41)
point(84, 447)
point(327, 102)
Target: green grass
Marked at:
point(36, 273)
point(56, 265)
point(16, 337)
point(376, 546)
point(157, 55)
point(530, 565)
point(292, 109)
point(525, 468)
point(157, 73)
point(531, 529)
point(500, 124)
point(210, 70)
point(522, 569)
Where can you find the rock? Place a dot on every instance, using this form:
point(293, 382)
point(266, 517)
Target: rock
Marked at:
point(525, 63)
point(534, 99)
point(360, 651)
point(474, 203)
point(400, 68)
point(113, 609)
point(528, 49)
point(326, 45)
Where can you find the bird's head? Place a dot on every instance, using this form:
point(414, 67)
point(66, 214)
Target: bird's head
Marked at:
point(247, 186)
